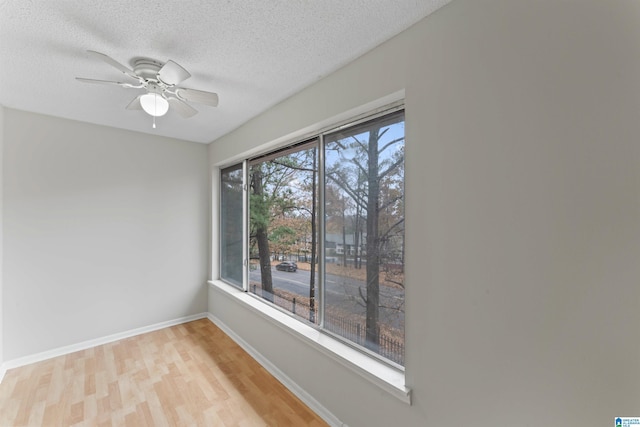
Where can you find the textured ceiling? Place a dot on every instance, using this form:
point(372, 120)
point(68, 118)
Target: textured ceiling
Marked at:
point(253, 53)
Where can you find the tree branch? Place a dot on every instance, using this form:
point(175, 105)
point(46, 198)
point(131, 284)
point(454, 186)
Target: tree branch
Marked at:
point(390, 229)
point(364, 299)
point(388, 144)
point(389, 203)
point(359, 143)
point(359, 166)
point(299, 168)
point(391, 168)
point(344, 186)
point(394, 282)
point(398, 308)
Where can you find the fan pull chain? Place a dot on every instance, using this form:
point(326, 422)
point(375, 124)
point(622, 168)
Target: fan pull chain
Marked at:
point(154, 122)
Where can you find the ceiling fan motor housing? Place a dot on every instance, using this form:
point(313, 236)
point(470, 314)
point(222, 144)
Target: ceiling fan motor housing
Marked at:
point(146, 68)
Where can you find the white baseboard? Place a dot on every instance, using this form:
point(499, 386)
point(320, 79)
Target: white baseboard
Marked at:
point(309, 400)
point(61, 351)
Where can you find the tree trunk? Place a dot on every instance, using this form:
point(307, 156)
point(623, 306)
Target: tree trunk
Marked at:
point(358, 226)
point(356, 239)
point(373, 255)
point(312, 279)
point(344, 236)
point(262, 238)
point(265, 263)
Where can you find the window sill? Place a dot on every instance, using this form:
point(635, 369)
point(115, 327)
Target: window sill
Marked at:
point(385, 377)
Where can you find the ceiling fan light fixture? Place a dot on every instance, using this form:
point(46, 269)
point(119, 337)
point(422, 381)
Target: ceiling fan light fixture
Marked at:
point(154, 104)
point(158, 80)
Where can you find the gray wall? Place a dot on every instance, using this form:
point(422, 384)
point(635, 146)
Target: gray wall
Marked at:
point(1, 239)
point(523, 216)
point(104, 231)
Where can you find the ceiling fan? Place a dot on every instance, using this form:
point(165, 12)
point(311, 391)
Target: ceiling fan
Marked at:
point(159, 80)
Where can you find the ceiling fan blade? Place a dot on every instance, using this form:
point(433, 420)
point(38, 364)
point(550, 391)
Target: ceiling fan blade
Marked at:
point(171, 73)
point(184, 109)
point(135, 103)
point(109, 60)
point(199, 96)
point(106, 82)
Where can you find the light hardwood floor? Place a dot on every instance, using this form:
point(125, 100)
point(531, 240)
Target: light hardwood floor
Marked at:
point(187, 375)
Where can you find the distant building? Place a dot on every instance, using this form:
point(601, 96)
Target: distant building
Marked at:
point(336, 244)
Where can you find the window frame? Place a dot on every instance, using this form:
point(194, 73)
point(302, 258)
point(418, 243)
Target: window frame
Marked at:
point(221, 250)
point(270, 155)
point(282, 148)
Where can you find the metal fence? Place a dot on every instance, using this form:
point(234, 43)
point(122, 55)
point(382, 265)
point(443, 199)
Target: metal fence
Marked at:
point(353, 330)
point(389, 347)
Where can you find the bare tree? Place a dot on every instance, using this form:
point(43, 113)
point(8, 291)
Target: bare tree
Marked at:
point(368, 159)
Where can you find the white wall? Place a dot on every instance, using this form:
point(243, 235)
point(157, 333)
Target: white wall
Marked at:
point(104, 231)
point(1, 240)
point(523, 216)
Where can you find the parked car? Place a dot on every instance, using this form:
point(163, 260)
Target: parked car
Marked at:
point(287, 266)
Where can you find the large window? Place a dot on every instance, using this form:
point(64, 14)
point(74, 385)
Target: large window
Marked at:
point(283, 242)
point(324, 232)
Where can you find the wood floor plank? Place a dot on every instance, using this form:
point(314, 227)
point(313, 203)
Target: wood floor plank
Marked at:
point(190, 374)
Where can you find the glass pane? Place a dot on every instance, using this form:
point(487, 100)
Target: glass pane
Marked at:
point(364, 242)
point(283, 230)
point(231, 225)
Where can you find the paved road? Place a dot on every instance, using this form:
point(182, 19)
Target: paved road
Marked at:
point(340, 292)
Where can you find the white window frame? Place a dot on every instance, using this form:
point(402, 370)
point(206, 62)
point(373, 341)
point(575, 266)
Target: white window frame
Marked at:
point(380, 371)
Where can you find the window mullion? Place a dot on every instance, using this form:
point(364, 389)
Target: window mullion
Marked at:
point(245, 226)
point(321, 232)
